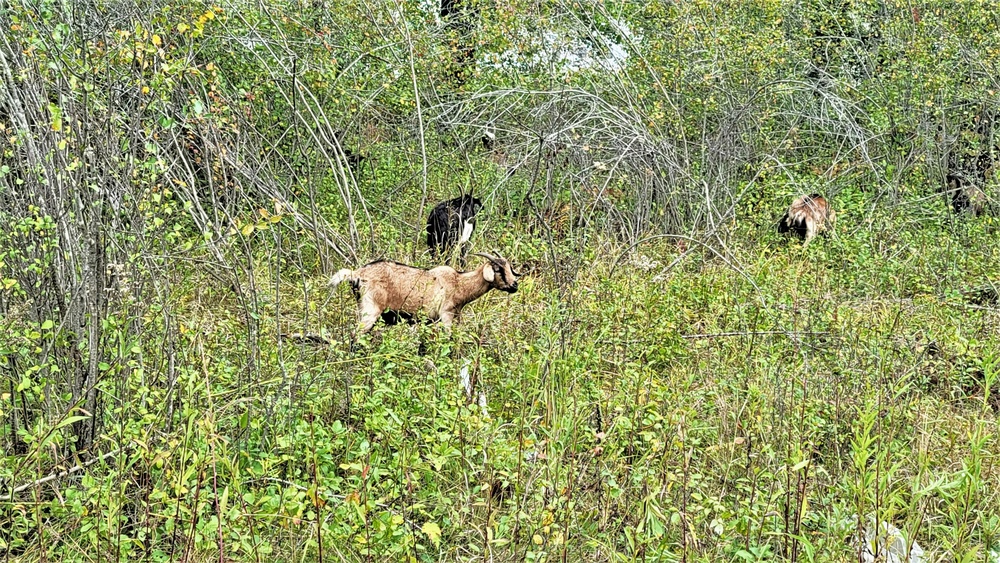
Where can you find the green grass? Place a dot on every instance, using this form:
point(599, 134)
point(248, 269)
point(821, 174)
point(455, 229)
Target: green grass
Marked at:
point(748, 404)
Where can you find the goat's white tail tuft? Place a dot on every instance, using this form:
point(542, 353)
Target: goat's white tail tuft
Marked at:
point(340, 276)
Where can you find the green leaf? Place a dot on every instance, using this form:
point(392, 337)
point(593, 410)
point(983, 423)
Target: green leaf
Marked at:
point(56, 113)
point(69, 420)
point(61, 424)
point(224, 501)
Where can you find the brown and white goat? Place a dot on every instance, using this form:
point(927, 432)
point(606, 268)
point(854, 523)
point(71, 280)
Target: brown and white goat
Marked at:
point(396, 291)
point(808, 216)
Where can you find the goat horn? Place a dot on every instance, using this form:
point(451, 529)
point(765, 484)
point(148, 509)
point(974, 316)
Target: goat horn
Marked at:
point(487, 256)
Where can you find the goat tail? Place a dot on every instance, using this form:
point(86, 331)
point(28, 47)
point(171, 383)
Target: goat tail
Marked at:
point(341, 276)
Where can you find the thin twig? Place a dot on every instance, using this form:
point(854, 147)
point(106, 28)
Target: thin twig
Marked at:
point(59, 475)
point(752, 333)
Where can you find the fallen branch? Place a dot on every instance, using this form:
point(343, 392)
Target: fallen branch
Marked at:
point(55, 476)
point(305, 338)
point(751, 333)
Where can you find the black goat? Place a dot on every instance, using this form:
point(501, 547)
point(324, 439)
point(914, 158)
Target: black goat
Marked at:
point(966, 196)
point(489, 138)
point(451, 223)
point(352, 158)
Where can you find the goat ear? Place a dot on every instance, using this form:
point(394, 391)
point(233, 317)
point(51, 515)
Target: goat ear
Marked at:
point(488, 273)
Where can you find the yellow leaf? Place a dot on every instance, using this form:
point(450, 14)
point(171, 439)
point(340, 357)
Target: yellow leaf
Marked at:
point(314, 496)
point(433, 531)
point(537, 539)
point(182, 27)
point(156, 40)
point(247, 229)
point(145, 89)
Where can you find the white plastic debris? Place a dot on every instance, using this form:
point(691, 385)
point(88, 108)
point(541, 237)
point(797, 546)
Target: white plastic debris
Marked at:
point(890, 546)
point(482, 404)
point(466, 379)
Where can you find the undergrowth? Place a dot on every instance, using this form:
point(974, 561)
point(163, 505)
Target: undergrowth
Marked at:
point(755, 401)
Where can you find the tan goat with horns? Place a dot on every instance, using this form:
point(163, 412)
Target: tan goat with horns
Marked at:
point(397, 291)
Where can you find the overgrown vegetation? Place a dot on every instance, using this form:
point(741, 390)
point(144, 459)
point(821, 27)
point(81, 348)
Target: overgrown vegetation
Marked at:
point(673, 381)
